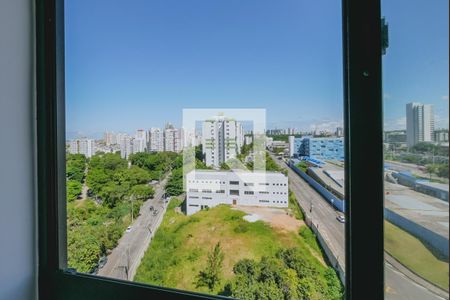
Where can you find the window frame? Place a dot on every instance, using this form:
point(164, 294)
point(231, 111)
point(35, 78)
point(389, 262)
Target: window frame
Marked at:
point(361, 31)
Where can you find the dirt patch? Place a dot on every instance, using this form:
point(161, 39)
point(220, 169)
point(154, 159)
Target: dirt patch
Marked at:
point(276, 217)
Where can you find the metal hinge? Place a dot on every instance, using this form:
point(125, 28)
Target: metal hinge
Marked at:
point(384, 36)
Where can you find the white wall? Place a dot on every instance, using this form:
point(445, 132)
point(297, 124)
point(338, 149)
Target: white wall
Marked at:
point(17, 210)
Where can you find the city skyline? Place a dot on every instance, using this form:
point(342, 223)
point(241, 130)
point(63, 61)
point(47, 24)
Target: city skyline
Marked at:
point(143, 72)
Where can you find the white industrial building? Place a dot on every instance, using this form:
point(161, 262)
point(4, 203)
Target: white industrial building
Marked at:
point(222, 139)
point(208, 188)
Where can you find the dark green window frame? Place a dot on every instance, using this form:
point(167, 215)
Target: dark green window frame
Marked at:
point(363, 147)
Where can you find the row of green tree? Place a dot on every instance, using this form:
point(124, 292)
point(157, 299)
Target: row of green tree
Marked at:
point(111, 180)
point(94, 227)
point(75, 168)
point(440, 170)
point(287, 275)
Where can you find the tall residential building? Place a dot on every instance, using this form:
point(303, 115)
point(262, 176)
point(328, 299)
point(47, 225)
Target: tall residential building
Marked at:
point(291, 140)
point(126, 146)
point(419, 123)
point(173, 139)
point(110, 138)
point(222, 140)
point(155, 140)
point(82, 146)
point(140, 141)
point(339, 132)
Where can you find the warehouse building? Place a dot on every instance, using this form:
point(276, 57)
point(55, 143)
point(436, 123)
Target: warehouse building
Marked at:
point(207, 188)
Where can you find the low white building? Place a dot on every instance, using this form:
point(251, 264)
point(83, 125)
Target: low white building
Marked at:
point(207, 188)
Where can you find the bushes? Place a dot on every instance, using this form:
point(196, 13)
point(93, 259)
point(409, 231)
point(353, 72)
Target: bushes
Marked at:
point(287, 275)
point(174, 186)
point(73, 189)
point(310, 238)
point(92, 230)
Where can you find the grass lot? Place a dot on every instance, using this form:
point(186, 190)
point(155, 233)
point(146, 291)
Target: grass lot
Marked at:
point(295, 208)
point(180, 246)
point(412, 253)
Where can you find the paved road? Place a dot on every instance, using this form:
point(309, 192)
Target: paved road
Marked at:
point(125, 258)
point(398, 286)
point(401, 167)
point(322, 213)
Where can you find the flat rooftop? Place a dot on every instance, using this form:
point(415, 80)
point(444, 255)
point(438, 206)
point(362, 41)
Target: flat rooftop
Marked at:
point(436, 185)
point(430, 212)
point(333, 176)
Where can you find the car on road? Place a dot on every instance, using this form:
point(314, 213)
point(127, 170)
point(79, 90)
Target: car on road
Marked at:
point(341, 218)
point(129, 228)
point(151, 208)
point(155, 212)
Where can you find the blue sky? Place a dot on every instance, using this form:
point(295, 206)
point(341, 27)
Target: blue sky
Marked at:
point(137, 64)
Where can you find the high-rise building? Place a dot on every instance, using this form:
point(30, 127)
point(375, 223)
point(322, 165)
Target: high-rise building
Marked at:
point(222, 139)
point(291, 140)
point(155, 140)
point(419, 123)
point(339, 132)
point(126, 146)
point(82, 146)
point(140, 141)
point(173, 138)
point(110, 138)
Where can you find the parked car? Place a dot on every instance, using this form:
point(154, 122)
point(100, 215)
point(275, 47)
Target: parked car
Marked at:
point(155, 212)
point(151, 208)
point(129, 228)
point(341, 218)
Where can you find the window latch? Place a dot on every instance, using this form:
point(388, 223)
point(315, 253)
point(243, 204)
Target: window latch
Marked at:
point(384, 36)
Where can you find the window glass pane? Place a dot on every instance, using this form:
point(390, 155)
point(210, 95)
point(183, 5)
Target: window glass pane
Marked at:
point(205, 146)
point(415, 82)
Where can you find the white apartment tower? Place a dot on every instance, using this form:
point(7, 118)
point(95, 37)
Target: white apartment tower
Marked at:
point(155, 140)
point(82, 146)
point(419, 123)
point(222, 140)
point(291, 145)
point(110, 138)
point(140, 141)
point(126, 146)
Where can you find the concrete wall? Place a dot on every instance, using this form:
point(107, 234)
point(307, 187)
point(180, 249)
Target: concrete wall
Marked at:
point(339, 204)
point(335, 262)
point(18, 248)
point(437, 241)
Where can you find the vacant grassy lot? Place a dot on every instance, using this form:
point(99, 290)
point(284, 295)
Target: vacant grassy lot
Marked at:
point(412, 253)
point(181, 244)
